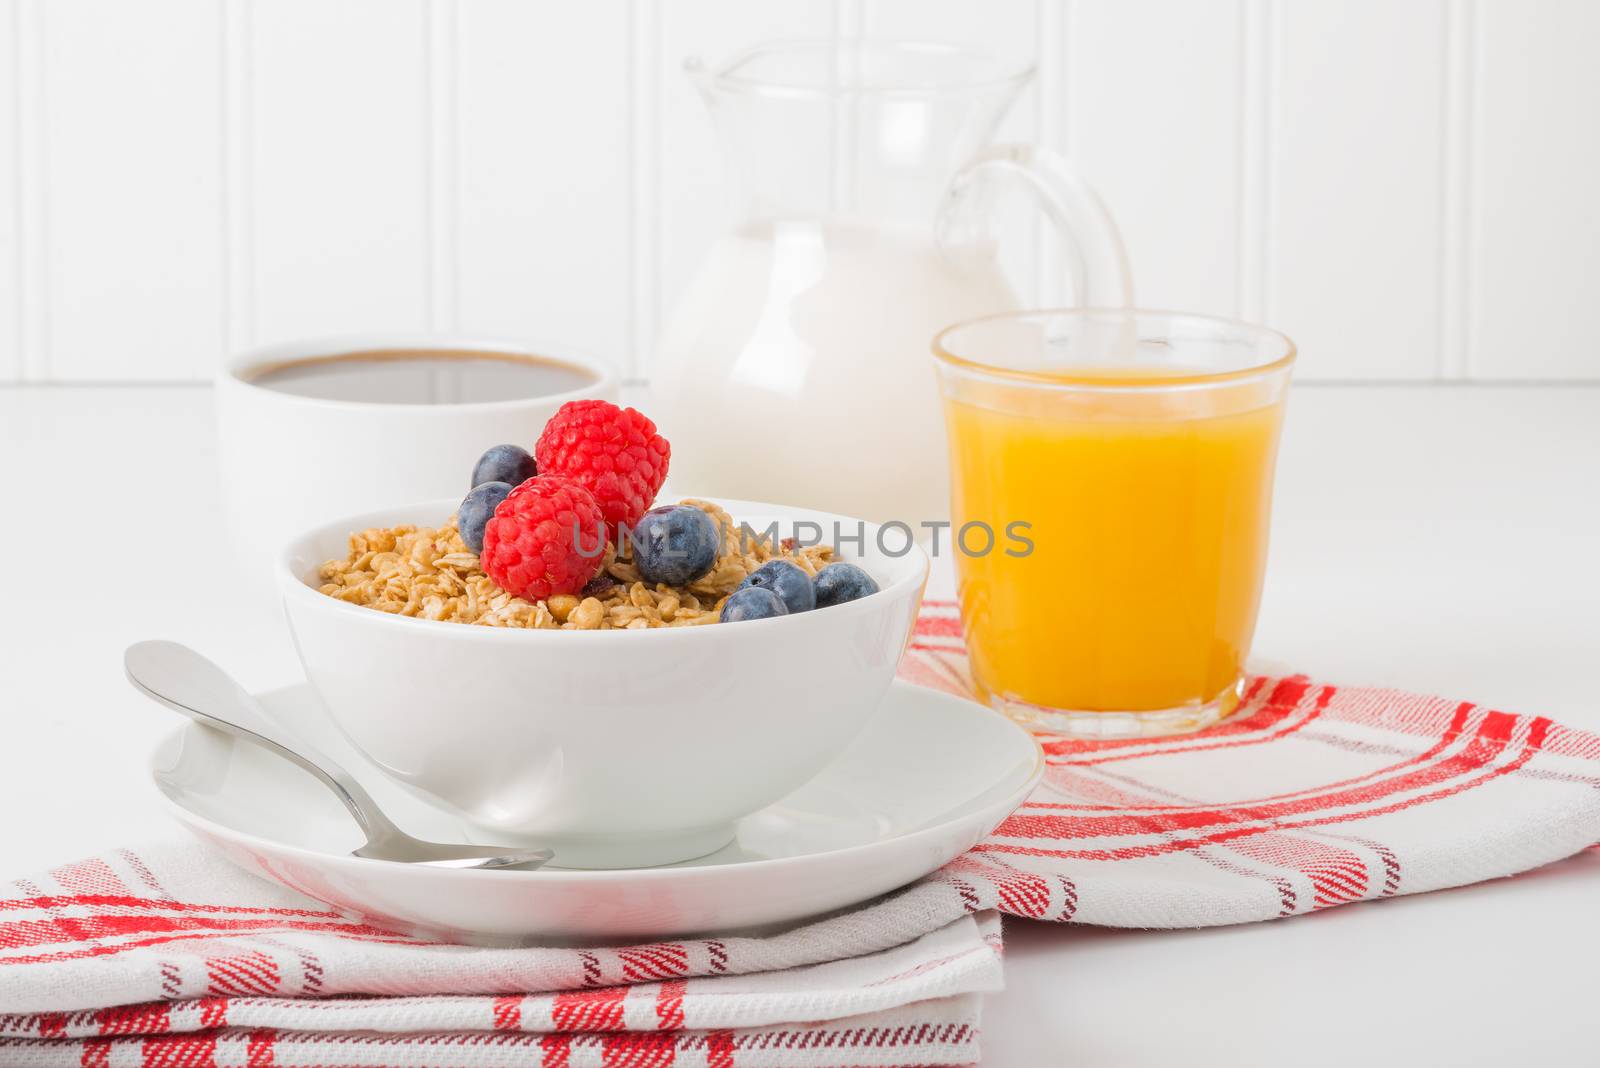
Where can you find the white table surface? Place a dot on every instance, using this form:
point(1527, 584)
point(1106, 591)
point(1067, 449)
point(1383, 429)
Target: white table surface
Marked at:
point(1445, 539)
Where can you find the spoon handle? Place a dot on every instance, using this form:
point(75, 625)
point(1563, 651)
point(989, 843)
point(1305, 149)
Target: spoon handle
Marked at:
point(183, 680)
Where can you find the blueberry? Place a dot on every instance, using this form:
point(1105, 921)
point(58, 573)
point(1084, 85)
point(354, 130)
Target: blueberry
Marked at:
point(838, 583)
point(675, 544)
point(752, 602)
point(787, 581)
point(510, 464)
point(476, 508)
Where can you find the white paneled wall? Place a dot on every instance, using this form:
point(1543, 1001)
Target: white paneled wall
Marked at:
point(1407, 188)
point(543, 165)
point(1353, 184)
point(1534, 200)
point(1154, 116)
point(337, 163)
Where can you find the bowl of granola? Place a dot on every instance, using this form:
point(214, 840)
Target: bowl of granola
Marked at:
point(627, 720)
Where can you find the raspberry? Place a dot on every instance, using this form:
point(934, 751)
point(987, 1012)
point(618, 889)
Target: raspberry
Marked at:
point(614, 453)
point(531, 544)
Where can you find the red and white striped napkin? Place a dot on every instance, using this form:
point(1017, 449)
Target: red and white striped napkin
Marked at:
point(1311, 796)
point(171, 958)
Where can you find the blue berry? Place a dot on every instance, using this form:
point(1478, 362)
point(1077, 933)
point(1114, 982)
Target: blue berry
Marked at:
point(787, 581)
point(476, 508)
point(674, 544)
point(510, 464)
point(838, 583)
point(752, 602)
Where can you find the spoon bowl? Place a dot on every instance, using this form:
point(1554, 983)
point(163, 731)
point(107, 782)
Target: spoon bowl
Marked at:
point(181, 679)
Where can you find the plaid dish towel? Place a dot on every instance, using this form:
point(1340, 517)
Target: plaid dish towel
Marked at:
point(1311, 796)
point(170, 957)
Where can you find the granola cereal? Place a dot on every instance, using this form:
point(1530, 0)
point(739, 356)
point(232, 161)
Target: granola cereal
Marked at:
point(430, 573)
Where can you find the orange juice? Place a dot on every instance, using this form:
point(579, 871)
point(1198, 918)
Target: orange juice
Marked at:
point(1147, 509)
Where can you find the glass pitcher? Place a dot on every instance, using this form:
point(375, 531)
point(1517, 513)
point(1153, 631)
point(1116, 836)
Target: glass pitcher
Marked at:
point(796, 365)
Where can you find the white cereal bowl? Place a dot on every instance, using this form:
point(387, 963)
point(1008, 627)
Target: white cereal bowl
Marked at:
point(619, 748)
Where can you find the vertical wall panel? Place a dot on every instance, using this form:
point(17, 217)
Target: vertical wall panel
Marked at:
point(1153, 117)
point(31, 179)
point(1256, 95)
point(1356, 147)
point(10, 233)
point(442, 144)
point(542, 108)
point(132, 149)
point(1536, 214)
point(338, 157)
point(690, 196)
point(1455, 184)
point(644, 203)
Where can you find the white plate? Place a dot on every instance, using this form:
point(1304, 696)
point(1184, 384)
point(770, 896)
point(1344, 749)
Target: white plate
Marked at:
point(925, 781)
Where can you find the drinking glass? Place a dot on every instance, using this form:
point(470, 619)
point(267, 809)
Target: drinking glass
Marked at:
point(1111, 490)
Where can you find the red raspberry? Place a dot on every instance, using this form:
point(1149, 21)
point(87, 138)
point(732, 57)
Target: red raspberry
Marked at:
point(531, 543)
point(614, 453)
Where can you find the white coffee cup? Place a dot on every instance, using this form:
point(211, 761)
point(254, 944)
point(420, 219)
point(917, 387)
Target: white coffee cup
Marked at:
point(290, 461)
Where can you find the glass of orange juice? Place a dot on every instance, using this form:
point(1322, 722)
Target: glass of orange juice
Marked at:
point(1111, 490)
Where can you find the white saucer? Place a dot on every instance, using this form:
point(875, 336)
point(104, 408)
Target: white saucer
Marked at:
point(927, 779)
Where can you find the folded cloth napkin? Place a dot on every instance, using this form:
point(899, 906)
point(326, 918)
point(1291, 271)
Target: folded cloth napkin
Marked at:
point(171, 957)
point(1312, 795)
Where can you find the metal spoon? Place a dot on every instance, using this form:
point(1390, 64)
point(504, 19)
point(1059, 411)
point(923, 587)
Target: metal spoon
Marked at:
point(187, 682)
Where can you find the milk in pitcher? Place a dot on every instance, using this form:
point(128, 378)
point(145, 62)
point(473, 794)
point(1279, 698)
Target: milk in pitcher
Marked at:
point(805, 346)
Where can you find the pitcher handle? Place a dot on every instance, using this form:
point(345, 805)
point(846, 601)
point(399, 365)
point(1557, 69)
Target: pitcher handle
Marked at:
point(1096, 259)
